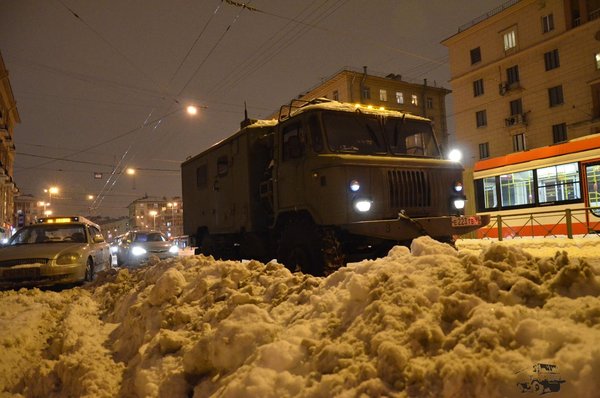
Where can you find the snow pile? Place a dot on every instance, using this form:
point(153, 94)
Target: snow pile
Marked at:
point(429, 321)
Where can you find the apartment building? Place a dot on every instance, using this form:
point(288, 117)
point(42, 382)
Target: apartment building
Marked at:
point(158, 213)
point(389, 91)
point(526, 75)
point(9, 117)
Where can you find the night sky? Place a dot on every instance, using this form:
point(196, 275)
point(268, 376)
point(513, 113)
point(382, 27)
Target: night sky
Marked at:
point(103, 85)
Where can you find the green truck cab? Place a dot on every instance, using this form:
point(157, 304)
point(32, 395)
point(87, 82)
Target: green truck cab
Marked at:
point(324, 184)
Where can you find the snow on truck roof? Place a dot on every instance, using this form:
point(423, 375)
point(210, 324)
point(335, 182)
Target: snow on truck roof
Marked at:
point(327, 104)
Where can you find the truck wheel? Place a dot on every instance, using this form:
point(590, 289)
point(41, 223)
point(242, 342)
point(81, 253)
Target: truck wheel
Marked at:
point(300, 248)
point(537, 387)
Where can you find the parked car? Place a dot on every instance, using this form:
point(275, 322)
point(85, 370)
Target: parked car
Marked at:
point(56, 250)
point(136, 247)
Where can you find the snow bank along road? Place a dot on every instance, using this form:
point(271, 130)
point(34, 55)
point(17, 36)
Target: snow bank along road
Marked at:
point(428, 321)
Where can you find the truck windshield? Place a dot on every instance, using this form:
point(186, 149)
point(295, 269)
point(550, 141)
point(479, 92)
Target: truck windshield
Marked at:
point(367, 134)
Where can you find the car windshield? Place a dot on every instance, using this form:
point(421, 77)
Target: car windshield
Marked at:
point(50, 233)
point(149, 237)
point(366, 134)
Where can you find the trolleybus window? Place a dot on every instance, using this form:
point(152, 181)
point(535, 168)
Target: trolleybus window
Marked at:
point(558, 183)
point(487, 193)
point(593, 182)
point(517, 189)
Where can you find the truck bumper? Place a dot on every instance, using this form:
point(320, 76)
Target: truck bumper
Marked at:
point(405, 228)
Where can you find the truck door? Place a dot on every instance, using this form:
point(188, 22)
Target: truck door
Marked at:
point(290, 168)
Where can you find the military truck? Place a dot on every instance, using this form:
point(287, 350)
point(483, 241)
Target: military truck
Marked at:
point(324, 184)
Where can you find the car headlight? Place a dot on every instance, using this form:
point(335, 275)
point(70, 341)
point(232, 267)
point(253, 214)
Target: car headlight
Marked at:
point(354, 185)
point(458, 186)
point(362, 205)
point(459, 204)
point(68, 258)
point(138, 251)
point(173, 249)
point(113, 249)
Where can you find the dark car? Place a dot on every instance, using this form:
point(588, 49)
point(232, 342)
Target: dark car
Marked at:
point(136, 247)
point(56, 250)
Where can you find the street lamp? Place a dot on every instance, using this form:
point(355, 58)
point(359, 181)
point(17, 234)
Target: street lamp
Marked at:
point(153, 213)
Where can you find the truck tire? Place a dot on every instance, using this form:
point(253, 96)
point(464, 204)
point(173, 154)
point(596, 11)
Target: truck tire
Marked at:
point(300, 248)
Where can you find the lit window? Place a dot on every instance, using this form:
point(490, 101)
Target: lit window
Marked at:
point(516, 189)
point(487, 192)
point(558, 183)
point(598, 61)
point(510, 40)
point(400, 97)
point(382, 95)
point(547, 23)
point(414, 100)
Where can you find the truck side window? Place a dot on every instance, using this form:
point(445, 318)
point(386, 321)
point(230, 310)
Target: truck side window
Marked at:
point(316, 135)
point(222, 166)
point(201, 176)
point(293, 141)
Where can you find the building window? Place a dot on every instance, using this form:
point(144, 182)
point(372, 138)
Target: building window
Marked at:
point(414, 100)
point(366, 93)
point(510, 40)
point(336, 95)
point(481, 118)
point(547, 23)
point(478, 88)
point(519, 142)
point(512, 75)
point(516, 107)
point(382, 95)
point(484, 150)
point(597, 61)
point(399, 97)
point(551, 59)
point(555, 95)
point(429, 103)
point(559, 133)
point(475, 55)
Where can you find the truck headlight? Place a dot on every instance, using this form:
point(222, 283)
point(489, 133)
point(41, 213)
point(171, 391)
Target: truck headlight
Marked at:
point(459, 204)
point(458, 186)
point(354, 185)
point(173, 249)
point(138, 251)
point(362, 205)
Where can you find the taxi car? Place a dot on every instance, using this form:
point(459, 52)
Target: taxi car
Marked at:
point(55, 250)
point(136, 247)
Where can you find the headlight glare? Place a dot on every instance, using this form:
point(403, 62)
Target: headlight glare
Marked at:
point(354, 185)
point(362, 205)
point(459, 204)
point(138, 251)
point(173, 249)
point(458, 186)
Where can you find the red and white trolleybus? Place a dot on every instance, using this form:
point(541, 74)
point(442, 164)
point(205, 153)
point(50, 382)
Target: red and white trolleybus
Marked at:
point(548, 191)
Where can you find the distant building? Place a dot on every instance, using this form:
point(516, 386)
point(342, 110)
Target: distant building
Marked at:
point(526, 75)
point(28, 209)
point(9, 117)
point(112, 227)
point(160, 213)
point(390, 91)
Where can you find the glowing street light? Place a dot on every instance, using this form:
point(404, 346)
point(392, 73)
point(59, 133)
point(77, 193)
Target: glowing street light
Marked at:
point(153, 213)
point(192, 110)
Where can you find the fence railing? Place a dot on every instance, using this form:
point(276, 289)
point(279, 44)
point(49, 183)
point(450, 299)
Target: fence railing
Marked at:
point(553, 223)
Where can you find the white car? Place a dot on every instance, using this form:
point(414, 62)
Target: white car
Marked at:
point(56, 250)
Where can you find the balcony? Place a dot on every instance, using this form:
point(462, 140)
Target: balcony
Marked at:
point(505, 87)
point(519, 119)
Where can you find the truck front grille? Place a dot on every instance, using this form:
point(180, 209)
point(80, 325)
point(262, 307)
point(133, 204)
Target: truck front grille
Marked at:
point(409, 189)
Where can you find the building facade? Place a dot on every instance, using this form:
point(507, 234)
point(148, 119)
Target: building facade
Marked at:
point(9, 117)
point(28, 209)
point(390, 92)
point(158, 213)
point(526, 75)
